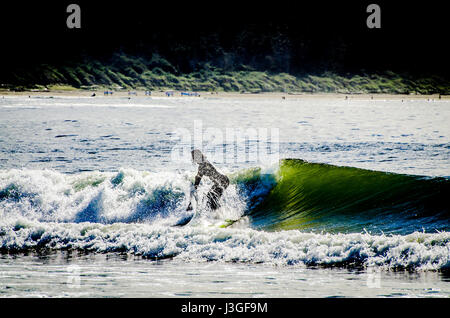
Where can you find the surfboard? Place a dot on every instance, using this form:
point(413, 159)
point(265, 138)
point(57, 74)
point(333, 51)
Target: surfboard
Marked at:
point(192, 206)
point(184, 220)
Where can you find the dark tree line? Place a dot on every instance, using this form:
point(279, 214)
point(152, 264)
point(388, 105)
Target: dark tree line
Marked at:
point(285, 36)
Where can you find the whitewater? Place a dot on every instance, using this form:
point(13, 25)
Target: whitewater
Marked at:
point(355, 203)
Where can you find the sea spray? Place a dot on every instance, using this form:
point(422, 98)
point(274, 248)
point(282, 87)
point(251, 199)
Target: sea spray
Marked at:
point(416, 251)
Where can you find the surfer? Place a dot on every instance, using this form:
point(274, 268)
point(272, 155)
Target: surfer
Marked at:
point(205, 168)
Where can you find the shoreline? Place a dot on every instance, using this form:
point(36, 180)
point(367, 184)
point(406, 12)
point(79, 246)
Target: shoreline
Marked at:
point(223, 95)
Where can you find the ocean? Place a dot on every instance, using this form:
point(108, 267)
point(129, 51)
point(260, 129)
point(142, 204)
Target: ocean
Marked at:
point(328, 197)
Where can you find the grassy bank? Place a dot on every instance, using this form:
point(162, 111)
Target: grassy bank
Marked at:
point(123, 71)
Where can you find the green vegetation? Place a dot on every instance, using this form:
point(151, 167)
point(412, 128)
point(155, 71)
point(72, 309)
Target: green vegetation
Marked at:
point(157, 73)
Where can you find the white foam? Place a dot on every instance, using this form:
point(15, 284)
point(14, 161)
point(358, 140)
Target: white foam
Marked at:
point(50, 196)
point(421, 251)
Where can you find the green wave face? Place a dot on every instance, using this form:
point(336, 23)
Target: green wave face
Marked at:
point(323, 197)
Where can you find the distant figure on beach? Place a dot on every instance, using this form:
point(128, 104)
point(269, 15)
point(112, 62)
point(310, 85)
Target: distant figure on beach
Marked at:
point(205, 168)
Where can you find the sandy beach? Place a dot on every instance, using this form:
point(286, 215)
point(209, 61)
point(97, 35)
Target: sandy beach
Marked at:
point(223, 95)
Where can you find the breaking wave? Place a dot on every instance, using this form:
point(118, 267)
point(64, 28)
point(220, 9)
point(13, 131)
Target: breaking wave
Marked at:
point(299, 213)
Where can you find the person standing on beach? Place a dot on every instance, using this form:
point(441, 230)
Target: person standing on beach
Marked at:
point(205, 168)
